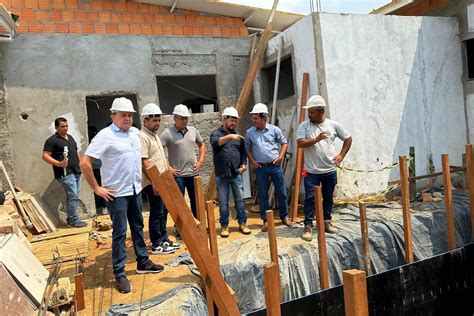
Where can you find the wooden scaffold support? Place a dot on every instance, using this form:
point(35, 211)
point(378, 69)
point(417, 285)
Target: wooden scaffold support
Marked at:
point(448, 199)
point(271, 278)
point(364, 231)
point(405, 192)
point(470, 183)
point(323, 259)
point(273, 249)
point(355, 293)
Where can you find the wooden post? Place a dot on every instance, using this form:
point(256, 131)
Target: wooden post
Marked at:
point(299, 152)
point(405, 191)
point(364, 230)
point(79, 291)
point(273, 247)
point(271, 278)
point(200, 203)
point(355, 293)
point(448, 199)
point(412, 173)
point(212, 230)
point(323, 260)
point(470, 183)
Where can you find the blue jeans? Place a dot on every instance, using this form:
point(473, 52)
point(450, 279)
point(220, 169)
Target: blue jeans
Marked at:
point(263, 184)
point(158, 217)
point(188, 183)
point(72, 186)
point(224, 186)
point(121, 209)
point(328, 182)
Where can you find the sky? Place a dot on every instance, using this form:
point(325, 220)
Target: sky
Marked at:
point(303, 6)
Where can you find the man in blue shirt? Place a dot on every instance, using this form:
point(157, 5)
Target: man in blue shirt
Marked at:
point(262, 143)
point(229, 163)
point(118, 146)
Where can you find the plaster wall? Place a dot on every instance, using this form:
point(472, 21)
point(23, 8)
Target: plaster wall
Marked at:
point(49, 75)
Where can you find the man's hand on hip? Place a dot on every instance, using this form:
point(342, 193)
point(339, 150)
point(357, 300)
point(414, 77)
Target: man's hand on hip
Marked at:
point(106, 194)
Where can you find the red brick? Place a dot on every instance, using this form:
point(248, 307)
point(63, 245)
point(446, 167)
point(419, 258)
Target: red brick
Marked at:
point(88, 28)
point(132, 7)
point(146, 29)
point(49, 27)
point(68, 15)
point(16, 11)
point(71, 4)
point(154, 8)
point(216, 31)
point(170, 19)
point(6, 3)
point(225, 31)
point(92, 16)
point(178, 30)
point(157, 30)
point(167, 30)
point(111, 28)
point(235, 31)
point(149, 18)
point(211, 20)
point(22, 27)
point(180, 19)
point(42, 15)
point(108, 6)
point(126, 17)
point(244, 31)
point(160, 19)
point(97, 5)
point(57, 4)
point(206, 31)
point(190, 19)
point(188, 30)
point(84, 4)
point(228, 21)
point(191, 12)
point(143, 8)
point(135, 29)
point(138, 18)
point(123, 29)
point(220, 20)
point(120, 6)
point(164, 10)
point(56, 15)
point(43, 4)
point(80, 16)
point(18, 4)
point(116, 17)
point(75, 28)
point(35, 27)
point(27, 15)
point(197, 30)
point(62, 28)
point(239, 22)
point(31, 4)
point(200, 20)
point(104, 16)
point(99, 28)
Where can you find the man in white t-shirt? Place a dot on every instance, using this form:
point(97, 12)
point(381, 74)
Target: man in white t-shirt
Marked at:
point(317, 135)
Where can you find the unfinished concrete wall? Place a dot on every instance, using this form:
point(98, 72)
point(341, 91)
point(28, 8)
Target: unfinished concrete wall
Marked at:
point(393, 82)
point(51, 75)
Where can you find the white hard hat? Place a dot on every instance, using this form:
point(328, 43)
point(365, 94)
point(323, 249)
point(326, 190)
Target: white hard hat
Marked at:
point(181, 110)
point(259, 108)
point(122, 105)
point(230, 111)
point(151, 109)
point(316, 101)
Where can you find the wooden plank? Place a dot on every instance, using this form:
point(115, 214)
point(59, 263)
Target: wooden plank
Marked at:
point(45, 212)
point(195, 240)
point(364, 230)
point(355, 293)
point(273, 248)
point(200, 203)
point(68, 248)
point(470, 183)
point(271, 279)
point(79, 291)
point(212, 230)
point(448, 199)
point(405, 199)
point(299, 151)
point(323, 260)
point(63, 232)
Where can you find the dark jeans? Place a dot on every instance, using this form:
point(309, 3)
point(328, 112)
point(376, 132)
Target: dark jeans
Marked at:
point(328, 182)
point(188, 183)
point(263, 184)
point(158, 216)
point(121, 209)
point(225, 185)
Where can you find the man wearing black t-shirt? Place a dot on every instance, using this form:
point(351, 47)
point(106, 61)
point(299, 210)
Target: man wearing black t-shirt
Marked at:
point(66, 169)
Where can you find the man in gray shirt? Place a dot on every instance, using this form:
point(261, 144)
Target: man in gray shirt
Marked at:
point(180, 140)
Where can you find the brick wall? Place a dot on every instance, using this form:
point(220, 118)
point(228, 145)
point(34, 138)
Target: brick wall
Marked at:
point(422, 7)
point(119, 17)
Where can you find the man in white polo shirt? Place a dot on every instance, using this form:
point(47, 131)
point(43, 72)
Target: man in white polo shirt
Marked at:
point(118, 146)
point(317, 135)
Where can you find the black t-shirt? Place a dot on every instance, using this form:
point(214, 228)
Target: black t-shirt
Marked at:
point(55, 145)
point(229, 157)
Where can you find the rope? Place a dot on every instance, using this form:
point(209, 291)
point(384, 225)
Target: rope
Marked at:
point(391, 166)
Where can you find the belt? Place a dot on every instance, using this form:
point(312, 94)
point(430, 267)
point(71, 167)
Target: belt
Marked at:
point(266, 164)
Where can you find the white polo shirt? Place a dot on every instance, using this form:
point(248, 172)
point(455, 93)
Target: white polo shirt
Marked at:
point(120, 153)
point(318, 157)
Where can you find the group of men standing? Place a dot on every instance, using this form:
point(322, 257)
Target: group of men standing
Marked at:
point(126, 153)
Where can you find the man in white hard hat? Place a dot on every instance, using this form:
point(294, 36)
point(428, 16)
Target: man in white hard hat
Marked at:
point(180, 140)
point(153, 154)
point(266, 147)
point(317, 136)
point(118, 146)
point(230, 161)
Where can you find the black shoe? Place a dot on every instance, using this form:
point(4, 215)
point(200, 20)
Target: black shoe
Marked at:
point(171, 244)
point(122, 284)
point(149, 267)
point(162, 247)
point(77, 223)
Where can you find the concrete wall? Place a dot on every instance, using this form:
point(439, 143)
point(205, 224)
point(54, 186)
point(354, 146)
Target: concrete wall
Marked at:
point(50, 75)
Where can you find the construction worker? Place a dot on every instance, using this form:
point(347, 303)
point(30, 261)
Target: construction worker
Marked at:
point(153, 154)
point(230, 161)
point(317, 135)
point(118, 146)
point(262, 143)
point(60, 151)
point(180, 140)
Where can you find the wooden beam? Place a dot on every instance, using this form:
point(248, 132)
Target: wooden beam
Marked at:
point(273, 247)
point(79, 291)
point(448, 199)
point(323, 260)
point(200, 203)
point(271, 278)
point(355, 293)
point(212, 230)
point(195, 240)
point(470, 183)
point(405, 192)
point(364, 231)
point(299, 151)
point(412, 173)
